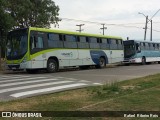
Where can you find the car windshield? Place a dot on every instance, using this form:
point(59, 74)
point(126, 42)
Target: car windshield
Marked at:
point(16, 44)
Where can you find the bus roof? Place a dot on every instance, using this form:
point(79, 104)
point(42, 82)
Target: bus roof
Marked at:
point(142, 41)
point(73, 33)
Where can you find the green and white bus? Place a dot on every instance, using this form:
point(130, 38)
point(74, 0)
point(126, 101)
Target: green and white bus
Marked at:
point(32, 49)
point(141, 52)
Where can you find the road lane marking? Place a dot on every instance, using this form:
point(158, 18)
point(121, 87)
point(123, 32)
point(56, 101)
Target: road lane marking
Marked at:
point(19, 83)
point(32, 86)
point(16, 95)
point(57, 77)
point(5, 81)
point(97, 84)
point(15, 75)
point(12, 77)
point(106, 75)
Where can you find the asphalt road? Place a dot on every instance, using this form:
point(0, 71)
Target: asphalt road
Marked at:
point(15, 85)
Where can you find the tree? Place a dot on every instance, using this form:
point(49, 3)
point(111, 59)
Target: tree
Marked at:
point(26, 13)
point(6, 23)
point(34, 13)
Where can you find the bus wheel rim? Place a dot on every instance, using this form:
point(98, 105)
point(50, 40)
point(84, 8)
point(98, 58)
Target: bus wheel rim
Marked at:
point(101, 62)
point(52, 66)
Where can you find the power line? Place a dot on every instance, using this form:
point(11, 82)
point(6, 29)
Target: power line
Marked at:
point(91, 22)
point(118, 25)
point(123, 25)
point(68, 19)
point(154, 14)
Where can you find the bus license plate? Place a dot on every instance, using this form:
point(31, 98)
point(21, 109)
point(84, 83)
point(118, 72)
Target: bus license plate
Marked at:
point(13, 68)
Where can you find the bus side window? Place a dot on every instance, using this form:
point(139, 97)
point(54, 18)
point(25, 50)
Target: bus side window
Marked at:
point(119, 44)
point(94, 43)
point(113, 44)
point(78, 39)
point(138, 48)
point(33, 42)
point(109, 41)
point(158, 46)
point(61, 37)
point(87, 39)
point(70, 41)
point(37, 42)
point(82, 42)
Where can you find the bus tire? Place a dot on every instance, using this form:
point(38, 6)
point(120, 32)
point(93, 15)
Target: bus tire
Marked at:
point(158, 62)
point(102, 63)
point(52, 66)
point(143, 60)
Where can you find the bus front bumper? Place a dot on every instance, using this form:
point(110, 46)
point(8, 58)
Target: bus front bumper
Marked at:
point(16, 67)
point(129, 61)
point(13, 67)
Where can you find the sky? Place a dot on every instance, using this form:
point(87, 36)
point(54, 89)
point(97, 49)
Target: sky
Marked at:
point(119, 16)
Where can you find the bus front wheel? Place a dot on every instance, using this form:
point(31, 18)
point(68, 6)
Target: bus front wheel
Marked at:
point(52, 66)
point(143, 60)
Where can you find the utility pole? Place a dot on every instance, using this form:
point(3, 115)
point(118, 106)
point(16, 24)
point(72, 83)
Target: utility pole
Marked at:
point(145, 28)
point(149, 20)
point(103, 28)
point(80, 27)
point(151, 30)
point(145, 33)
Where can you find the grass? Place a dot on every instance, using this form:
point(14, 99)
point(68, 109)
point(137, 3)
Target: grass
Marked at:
point(142, 94)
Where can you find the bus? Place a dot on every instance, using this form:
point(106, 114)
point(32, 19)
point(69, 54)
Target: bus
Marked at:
point(141, 52)
point(33, 48)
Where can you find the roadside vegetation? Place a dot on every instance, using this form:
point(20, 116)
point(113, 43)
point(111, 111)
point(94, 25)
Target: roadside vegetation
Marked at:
point(142, 94)
point(2, 64)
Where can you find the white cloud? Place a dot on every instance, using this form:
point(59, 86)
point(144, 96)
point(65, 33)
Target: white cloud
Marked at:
point(110, 11)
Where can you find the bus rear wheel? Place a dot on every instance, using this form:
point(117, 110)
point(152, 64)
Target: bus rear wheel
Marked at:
point(52, 66)
point(102, 63)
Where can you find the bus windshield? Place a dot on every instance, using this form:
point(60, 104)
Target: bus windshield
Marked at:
point(17, 44)
point(129, 50)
